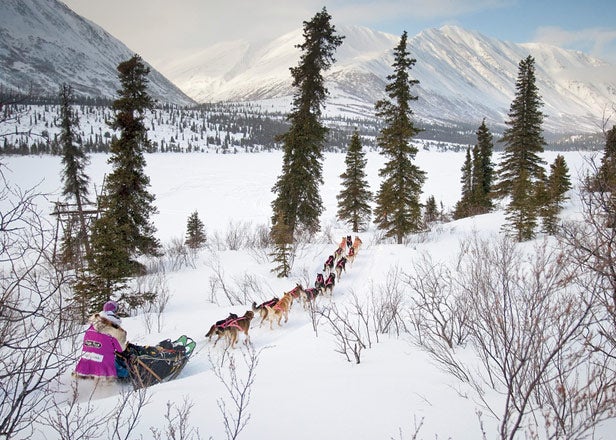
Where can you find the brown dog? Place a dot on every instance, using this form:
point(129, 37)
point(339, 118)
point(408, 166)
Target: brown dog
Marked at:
point(343, 244)
point(241, 324)
point(230, 326)
point(262, 310)
point(357, 244)
point(282, 307)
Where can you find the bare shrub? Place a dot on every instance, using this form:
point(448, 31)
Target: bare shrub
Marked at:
point(438, 310)
point(591, 243)
point(248, 286)
point(526, 324)
point(417, 425)
point(155, 284)
point(125, 417)
point(259, 237)
point(388, 304)
point(347, 329)
point(179, 255)
point(236, 235)
point(260, 242)
point(234, 406)
point(71, 419)
point(239, 290)
point(178, 426)
point(218, 283)
point(34, 318)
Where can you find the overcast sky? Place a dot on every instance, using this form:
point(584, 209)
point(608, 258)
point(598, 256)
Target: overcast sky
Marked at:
point(164, 30)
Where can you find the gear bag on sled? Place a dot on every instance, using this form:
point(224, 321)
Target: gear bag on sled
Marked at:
point(149, 365)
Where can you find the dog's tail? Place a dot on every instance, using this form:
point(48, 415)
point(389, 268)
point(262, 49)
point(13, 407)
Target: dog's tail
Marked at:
point(254, 306)
point(210, 333)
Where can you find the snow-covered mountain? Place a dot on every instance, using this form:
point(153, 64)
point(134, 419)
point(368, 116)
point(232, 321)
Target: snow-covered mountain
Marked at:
point(464, 75)
point(44, 44)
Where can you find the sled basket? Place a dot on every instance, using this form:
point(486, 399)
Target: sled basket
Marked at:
point(149, 365)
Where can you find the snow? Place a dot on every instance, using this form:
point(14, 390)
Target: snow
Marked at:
point(303, 388)
point(463, 75)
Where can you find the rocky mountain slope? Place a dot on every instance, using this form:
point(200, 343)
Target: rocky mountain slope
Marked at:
point(44, 44)
point(464, 76)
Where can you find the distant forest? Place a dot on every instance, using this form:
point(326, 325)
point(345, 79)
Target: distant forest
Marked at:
point(29, 125)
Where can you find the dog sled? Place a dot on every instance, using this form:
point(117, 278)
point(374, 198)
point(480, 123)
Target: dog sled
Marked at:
point(150, 365)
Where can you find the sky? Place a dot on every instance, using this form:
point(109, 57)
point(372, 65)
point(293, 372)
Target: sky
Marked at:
point(165, 30)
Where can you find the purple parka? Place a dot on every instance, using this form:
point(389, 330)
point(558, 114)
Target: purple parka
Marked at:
point(98, 356)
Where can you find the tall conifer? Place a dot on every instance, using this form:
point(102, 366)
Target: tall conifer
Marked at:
point(464, 206)
point(124, 231)
point(297, 188)
point(354, 198)
point(607, 170)
point(282, 253)
point(398, 210)
point(431, 212)
point(75, 245)
point(483, 170)
point(556, 187)
point(521, 167)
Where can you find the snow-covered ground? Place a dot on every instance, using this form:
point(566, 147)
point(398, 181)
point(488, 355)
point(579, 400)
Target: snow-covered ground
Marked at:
point(303, 388)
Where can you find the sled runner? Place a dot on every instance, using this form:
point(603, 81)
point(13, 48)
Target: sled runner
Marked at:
point(149, 365)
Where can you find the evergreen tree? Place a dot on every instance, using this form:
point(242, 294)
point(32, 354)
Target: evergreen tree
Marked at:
point(110, 265)
point(354, 198)
point(606, 175)
point(520, 214)
point(556, 187)
point(282, 254)
point(520, 160)
point(195, 231)
point(75, 243)
point(297, 188)
point(477, 177)
point(431, 213)
point(398, 210)
point(464, 207)
point(482, 170)
point(124, 230)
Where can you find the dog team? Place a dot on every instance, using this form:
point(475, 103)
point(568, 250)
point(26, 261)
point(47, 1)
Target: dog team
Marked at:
point(276, 309)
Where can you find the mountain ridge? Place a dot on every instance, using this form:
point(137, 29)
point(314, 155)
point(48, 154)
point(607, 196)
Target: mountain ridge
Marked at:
point(43, 44)
point(464, 75)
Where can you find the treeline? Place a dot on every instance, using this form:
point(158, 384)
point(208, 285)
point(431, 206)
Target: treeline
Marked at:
point(31, 127)
point(218, 128)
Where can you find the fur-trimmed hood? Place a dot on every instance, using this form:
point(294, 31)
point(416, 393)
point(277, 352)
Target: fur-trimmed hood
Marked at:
point(103, 325)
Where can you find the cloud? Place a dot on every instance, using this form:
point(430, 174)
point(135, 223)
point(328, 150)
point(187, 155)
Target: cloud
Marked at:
point(599, 42)
point(374, 11)
point(161, 29)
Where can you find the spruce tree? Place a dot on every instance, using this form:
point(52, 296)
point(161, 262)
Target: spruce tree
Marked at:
point(520, 214)
point(520, 160)
point(195, 231)
point(606, 174)
point(297, 188)
point(556, 187)
point(483, 170)
point(354, 198)
point(464, 207)
point(282, 254)
point(124, 230)
point(398, 210)
point(431, 213)
point(75, 243)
